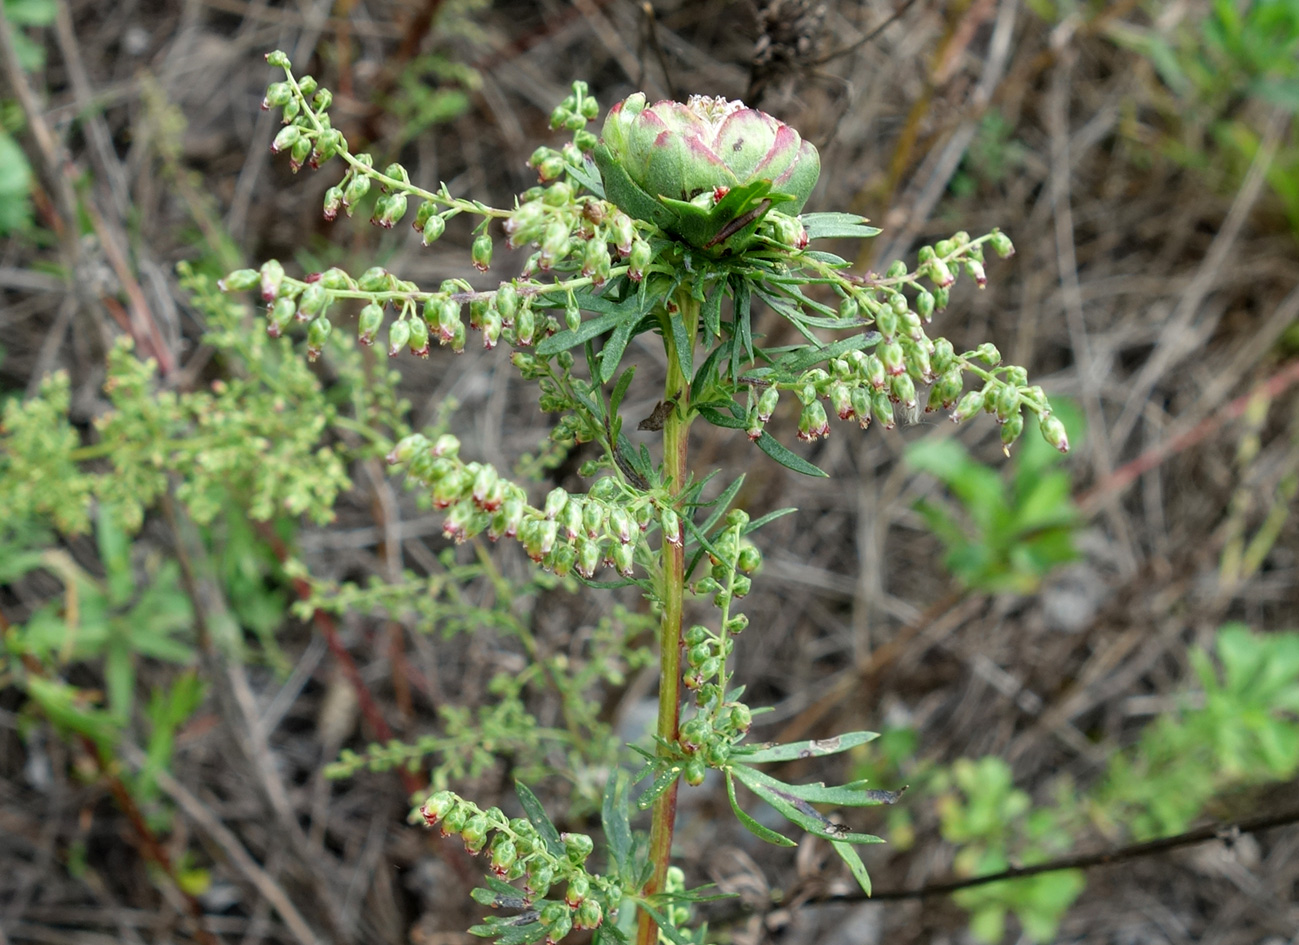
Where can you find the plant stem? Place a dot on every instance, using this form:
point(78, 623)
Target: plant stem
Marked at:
point(676, 430)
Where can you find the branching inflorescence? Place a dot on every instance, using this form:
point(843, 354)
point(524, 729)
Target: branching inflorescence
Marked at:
point(673, 221)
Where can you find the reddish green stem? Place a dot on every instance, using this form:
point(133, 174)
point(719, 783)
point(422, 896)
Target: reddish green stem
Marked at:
point(676, 431)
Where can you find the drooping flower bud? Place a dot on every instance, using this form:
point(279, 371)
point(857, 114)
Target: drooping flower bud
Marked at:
point(1053, 431)
point(369, 323)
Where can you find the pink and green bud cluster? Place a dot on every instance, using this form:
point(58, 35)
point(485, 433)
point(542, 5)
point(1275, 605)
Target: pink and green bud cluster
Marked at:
point(703, 148)
point(516, 850)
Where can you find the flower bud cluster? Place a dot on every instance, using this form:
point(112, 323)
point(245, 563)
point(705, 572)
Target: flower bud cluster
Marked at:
point(517, 850)
point(1006, 397)
point(570, 533)
point(572, 232)
point(307, 134)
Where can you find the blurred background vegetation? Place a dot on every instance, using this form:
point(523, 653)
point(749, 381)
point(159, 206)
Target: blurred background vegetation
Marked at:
point(233, 648)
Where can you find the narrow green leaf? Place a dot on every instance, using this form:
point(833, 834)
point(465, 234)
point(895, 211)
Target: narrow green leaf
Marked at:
point(537, 817)
point(614, 817)
point(848, 853)
point(620, 389)
point(822, 226)
point(662, 781)
point(777, 794)
point(588, 175)
point(790, 460)
point(682, 344)
point(591, 328)
point(615, 346)
point(755, 828)
point(843, 795)
point(666, 928)
point(719, 419)
point(712, 310)
point(812, 748)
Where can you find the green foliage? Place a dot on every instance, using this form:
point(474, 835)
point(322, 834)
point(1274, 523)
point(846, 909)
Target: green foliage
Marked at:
point(1216, 65)
point(1006, 536)
point(1239, 729)
point(29, 13)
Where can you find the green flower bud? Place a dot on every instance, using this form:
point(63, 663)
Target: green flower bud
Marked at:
point(278, 94)
point(540, 877)
point(695, 635)
point(437, 807)
point(503, 855)
point(333, 202)
point(671, 525)
point(481, 252)
point(474, 833)
point(1006, 404)
point(287, 137)
point(1001, 244)
point(419, 338)
point(312, 301)
point(374, 279)
point(695, 771)
point(299, 152)
point(579, 887)
point(882, 408)
point(1010, 431)
point(272, 278)
point(388, 212)
point(903, 390)
point(767, 402)
point(641, 256)
point(317, 334)
point(589, 915)
point(849, 310)
point(813, 423)
point(240, 280)
point(741, 718)
point(892, 357)
point(280, 316)
point(334, 279)
point(355, 190)
point(749, 558)
point(624, 558)
point(369, 323)
point(577, 847)
point(555, 244)
point(1053, 431)
point(398, 335)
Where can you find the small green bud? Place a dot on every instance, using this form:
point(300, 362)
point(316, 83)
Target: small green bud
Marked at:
point(813, 423)
point(280, 316)
point(589, 915)
point(540, 877)
point(1007, 402)
point(240, 281)
point(299, 152)
point(317, 334)
point(419, 338)
point(398, 335)
point(861, 406)
point(671, 526)
point(577, 847)
point(968, 406)
point(641, 256)
point(749, 558)
point(322, 99)
point(767, 402)
point(988, 354)
point(333, 202)
point(474, 833)
point(503, 855)
point(1001, 244)
point(278, 94)
point(849, 310)
point(369, 323)
point(892, 357)
point(695, 771)
point(695, 635)
point(882, 408)
point(437, 806)
point(579, 887)
point(287, 137)
point(741, 718)
point(1053, 431)
point(374, 279)
point(308, 85)
point(903, 390)
point(355, 190)
point(481, 252)
point(1010, 431)
point(272, 278)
